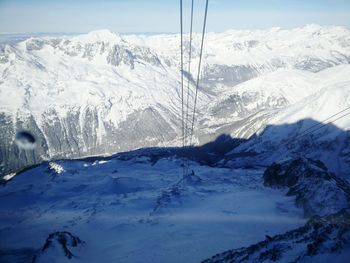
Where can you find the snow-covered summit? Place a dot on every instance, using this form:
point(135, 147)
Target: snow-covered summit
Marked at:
point(106, 93)
point(103, 35)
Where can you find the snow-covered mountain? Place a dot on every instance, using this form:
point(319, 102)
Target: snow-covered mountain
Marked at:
point(297, 128)
point(316, 190)
point(322, 239)
point(258, 173)
point(136, 210)
point(85, 95)
point(101, 92)
point(135, 207)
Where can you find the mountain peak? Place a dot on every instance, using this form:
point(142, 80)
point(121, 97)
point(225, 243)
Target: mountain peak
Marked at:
point(104, 35)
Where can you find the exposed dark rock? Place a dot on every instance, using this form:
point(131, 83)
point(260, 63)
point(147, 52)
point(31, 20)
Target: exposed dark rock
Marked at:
point(316, 189)
point(71, 137)
point(64, 241)
point(319, 236)
point(229, 75)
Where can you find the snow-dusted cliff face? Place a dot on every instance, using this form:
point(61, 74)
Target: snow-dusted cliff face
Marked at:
point(316, 190)
point(101, 93)
point(322, 239)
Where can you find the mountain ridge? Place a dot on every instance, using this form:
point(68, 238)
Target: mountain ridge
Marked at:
point(91, 90)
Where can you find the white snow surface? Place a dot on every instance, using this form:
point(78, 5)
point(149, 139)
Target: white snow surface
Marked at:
point(301, 73)
point(38, 81)
point(72, 74)
point(111, 207)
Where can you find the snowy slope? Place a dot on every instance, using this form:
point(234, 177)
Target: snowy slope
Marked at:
point(322, 239)
point(82, 96)
point(311, 48)
point(110, 206)
point(101, 92)
point(317, 190)
point(79, 72)
point(136, 209)
point(280, 97)
point(295, 130)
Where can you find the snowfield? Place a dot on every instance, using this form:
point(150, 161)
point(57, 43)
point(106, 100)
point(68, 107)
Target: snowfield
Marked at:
point(111, 207)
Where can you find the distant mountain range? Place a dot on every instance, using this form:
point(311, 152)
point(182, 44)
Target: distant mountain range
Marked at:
point(101, 93)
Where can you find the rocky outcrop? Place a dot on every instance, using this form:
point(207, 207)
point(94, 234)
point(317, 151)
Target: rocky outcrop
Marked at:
point(316, 190)
point(57, 246)
point(228, 75)
point(317, 238)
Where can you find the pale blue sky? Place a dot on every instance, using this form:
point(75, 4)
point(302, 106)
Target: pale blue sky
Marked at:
point(33, 16)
